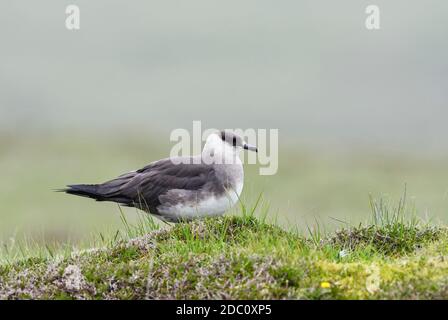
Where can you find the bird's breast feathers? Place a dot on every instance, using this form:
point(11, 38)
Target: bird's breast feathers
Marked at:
point(199, 205)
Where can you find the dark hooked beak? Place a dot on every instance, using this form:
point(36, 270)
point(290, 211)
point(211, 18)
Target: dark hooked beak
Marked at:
point(250, 147)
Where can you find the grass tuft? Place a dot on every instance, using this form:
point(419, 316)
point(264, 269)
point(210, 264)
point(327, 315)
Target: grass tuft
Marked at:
point(394, 230)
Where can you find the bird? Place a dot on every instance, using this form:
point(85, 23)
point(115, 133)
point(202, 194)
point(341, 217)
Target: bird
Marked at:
point(182, 188)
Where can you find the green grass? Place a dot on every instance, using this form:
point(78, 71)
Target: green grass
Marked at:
point(245, 256)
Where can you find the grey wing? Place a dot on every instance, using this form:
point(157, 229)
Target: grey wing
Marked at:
point(145, 188)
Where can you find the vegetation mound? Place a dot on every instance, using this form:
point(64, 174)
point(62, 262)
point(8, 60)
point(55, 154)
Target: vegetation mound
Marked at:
point(243, 258)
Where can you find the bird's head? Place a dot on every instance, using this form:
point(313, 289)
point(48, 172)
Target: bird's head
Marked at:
point(226, 142)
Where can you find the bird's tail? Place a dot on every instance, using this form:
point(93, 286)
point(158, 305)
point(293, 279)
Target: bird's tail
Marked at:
point(85, 190)
point(100, 192)
point(108, 191)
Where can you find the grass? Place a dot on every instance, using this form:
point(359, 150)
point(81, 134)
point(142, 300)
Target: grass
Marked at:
point(245, 256)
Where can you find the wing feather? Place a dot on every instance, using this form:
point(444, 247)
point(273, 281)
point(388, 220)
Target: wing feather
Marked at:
point(143, 188)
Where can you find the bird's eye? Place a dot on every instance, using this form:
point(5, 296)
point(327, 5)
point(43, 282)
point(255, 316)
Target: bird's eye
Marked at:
point(234, 141)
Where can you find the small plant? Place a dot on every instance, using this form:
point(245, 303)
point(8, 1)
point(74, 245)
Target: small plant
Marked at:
point(394, 229)
point(385, 213)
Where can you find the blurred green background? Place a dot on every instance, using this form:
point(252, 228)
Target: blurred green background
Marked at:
point(358, 111)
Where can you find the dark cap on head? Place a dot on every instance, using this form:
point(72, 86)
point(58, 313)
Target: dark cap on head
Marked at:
point(235, 140)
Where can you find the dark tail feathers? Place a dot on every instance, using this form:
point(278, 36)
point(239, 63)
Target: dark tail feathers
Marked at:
point(85, 190)
point(99, 192)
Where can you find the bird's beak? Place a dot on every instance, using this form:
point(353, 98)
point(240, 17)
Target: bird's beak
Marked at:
point(250, 147)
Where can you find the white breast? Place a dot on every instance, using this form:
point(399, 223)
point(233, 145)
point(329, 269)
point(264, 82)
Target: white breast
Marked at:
point(209, 206)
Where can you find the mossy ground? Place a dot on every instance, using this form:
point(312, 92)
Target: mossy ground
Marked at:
point(244, 258)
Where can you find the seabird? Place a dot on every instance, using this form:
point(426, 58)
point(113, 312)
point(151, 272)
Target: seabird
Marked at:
point(180, 188)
